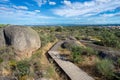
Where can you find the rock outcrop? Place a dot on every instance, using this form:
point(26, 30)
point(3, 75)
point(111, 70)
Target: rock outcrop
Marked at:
point(69, 43)
point(24, 40)
point(2, 39)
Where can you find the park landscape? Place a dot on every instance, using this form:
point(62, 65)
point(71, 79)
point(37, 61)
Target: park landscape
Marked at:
point(59, 39)
point(95, 53)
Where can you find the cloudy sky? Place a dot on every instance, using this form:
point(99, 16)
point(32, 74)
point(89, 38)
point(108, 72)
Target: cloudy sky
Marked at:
point(59, 12)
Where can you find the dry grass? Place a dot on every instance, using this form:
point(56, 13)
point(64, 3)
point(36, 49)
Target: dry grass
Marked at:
point(89, 66)
point(64, 51)
point(43, 59)
point(89, 60)
point(38, 62)
point(45, 65)
point(82, 45)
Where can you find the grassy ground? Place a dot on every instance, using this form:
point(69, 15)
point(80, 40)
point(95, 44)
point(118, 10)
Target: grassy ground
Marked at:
point(45, 65)
point(88, 59)
point(37, 66)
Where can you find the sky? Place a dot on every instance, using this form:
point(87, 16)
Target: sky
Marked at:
point(49, 12)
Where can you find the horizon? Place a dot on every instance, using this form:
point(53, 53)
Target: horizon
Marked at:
point(110, 25)
point(51, 12)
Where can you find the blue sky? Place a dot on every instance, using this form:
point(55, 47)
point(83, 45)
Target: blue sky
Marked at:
point(36, 12)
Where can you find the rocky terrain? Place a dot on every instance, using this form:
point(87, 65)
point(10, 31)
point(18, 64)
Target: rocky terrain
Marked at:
point(24, 40)
point(24, 52)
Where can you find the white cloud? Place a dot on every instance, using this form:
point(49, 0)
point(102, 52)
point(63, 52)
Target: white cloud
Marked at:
point(4, 1)
point(89, 8)
point(37, 11)
point(28, 4)
point(40, 2)
point(20, 7)
point(3, 8)
point(104, 1)
point(107, 15)
point(14, 15)
point(110, 14)
point(52, 3)
point(66, 2)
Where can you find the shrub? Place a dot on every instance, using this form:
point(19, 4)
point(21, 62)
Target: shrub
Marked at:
point(98, 43)
point(12, 64)
point(37, 54)
point(76, 58)
point(109, 39)
point(46, 38)
point(77, 49)
point(76, 54)
point(59, 29)
point(23, 68)
point(105, 67)
point(78, 37)
point(90, 51)
point(1, 60)
point(50, 71)
point(118, 61)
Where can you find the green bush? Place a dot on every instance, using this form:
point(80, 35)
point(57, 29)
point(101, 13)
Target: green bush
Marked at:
point(12, 64)
point(77, 51)
point(105, 67)
point(90, 51)
point(118, 61)
point(76, 54)
point(50, 71)
point(23, 68)
point(98, 43)
point(1, 60)
point(46, 38)
point(109, 39)
point(59, 29)
point(3, 25)
point(117, 33)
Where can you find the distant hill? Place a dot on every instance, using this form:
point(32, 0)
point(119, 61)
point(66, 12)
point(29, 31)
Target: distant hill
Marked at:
point(71, 25)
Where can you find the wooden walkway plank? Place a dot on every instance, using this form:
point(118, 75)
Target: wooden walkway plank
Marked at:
point(71, 70)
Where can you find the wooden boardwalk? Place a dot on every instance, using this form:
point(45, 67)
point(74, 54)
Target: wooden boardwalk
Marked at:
point(71, 70)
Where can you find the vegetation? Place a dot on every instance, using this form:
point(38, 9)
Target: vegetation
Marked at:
point(30, 68)
point(103, 36)
point(105, 67)
point(1, 60)
point(6, 54)
point(46, 34)
point(38, 67)
point(3, 25)
point(23, 68)
point(118, 61)
point(109, 39)
point(107, 36)
point(90, 51)
point(76, 54)
point(46, 38)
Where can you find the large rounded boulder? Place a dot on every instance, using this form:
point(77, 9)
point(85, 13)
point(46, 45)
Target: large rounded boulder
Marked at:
point(2, 39)
point(24, 40)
